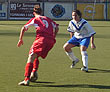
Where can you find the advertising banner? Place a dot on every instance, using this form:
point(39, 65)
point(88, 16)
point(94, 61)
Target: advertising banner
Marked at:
point(22, 10)
point(58, 10)
point(92, 11)
point(3, 11)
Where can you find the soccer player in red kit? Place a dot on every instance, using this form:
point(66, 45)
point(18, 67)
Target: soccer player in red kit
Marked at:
point(46, 30)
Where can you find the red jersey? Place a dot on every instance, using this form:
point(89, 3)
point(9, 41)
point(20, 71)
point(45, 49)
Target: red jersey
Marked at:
point(44, 26)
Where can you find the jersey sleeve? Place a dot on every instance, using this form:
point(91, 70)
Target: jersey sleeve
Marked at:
point(70, 27)
point(90, 29)
point(30, 23)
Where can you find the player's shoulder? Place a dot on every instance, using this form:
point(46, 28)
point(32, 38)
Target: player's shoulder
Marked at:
point(71, 21)
point(48, 18)
point(39, 17)
point(44, 17)
point(83, 20)
point(30, 20)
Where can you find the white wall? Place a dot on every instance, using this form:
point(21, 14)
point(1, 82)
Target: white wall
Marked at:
point(66, 10)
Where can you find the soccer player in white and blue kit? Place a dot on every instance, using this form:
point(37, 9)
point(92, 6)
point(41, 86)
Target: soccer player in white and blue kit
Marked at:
point(81, 34)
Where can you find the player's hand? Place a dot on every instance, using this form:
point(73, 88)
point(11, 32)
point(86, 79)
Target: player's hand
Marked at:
point(93, 46)
point(20, 42)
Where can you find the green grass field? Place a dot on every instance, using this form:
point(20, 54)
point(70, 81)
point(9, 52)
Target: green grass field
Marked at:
point(54, 72)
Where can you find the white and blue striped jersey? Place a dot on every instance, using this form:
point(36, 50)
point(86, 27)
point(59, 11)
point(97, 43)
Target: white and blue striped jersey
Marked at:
point(80, 29)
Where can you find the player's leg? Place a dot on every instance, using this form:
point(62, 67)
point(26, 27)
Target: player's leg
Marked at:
point(34, 74)
point(84, 58)
point(67, 47)
point(28, 69)
point(35, 64)
point(84, 45)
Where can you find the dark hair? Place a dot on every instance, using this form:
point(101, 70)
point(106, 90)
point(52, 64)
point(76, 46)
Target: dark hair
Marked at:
point(78, 13)
point(37, 9)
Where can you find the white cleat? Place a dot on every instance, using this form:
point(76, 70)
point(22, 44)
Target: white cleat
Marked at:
point(74, 63)
point(25, 83)
point(84, 69)
point(34, 76)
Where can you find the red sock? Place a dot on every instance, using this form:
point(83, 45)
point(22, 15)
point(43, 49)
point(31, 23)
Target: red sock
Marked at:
point(28, 69)
point(27, 78)
point(35, 65)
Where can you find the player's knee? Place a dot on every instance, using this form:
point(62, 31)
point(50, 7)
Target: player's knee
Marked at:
point(65, 47)
point(84, 53)
point(31, 58)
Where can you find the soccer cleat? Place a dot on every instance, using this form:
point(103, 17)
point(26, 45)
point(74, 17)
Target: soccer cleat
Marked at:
point(25, 83)
point(74, 63)
point(84, 69)
point(34, 76)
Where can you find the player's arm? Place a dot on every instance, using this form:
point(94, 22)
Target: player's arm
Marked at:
point(70, 29)
point(71, 34)
point(92, 32)
point(20, 42)
point(23, 29)
point(92, 42)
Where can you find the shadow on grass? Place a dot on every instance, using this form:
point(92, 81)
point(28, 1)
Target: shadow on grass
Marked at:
point(59, 25)
point(101, 26)
point(12, 24)
point(50, 84)
point(59, 35)
point(104, 36)
point(31, 34)
point(44, 82)
point(94, 70)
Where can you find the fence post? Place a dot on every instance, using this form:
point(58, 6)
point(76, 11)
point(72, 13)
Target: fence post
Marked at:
point(106, 10)
point(75, 4)
point(8, 9)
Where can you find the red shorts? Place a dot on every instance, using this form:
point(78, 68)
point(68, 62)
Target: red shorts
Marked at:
point(41, 46)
